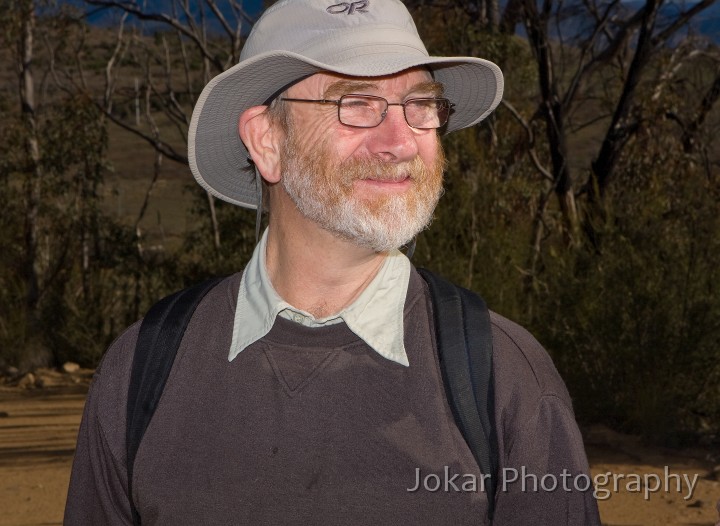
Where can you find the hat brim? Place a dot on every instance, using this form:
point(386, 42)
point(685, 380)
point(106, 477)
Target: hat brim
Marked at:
point(219, 160)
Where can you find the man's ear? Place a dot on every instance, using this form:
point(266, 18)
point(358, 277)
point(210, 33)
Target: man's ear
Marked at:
point(262, 140)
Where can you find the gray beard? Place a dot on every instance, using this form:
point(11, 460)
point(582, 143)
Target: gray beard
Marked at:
point(388, 228)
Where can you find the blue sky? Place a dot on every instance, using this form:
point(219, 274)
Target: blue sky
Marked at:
point(708, 22)
point(102, 16)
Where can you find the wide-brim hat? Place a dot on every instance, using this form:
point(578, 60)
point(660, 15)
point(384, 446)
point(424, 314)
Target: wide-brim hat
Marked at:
point(294, 39)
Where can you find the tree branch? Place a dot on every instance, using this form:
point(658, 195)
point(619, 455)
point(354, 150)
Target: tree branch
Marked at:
point(531, 140)
point(165, 19)
point(682, 19)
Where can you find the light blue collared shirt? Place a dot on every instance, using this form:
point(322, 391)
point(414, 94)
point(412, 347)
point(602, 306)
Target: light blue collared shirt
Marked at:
point(376, 316)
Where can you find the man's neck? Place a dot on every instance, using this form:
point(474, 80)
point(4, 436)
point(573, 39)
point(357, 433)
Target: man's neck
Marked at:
point(314, 270)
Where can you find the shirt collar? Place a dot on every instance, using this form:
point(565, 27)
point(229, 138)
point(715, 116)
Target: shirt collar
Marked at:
point(376, 316)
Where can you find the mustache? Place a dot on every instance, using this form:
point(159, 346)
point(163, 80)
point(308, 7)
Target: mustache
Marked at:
point(376, 169)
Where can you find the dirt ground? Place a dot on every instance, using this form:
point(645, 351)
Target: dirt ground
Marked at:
point(38, 427)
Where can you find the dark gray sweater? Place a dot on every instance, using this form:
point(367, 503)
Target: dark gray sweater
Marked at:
point(311, 426)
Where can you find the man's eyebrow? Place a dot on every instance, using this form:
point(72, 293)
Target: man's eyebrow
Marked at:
point(436, 89)
point(343, 87)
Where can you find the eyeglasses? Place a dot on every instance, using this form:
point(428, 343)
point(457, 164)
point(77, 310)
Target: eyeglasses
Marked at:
point(368, 111)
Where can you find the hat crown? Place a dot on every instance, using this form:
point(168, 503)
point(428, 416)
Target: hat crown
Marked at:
point(320, 28)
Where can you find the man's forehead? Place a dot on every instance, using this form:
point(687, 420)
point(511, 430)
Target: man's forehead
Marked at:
point(329, 84)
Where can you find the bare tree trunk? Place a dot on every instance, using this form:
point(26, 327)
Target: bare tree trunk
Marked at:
point(536, 239)
point(480, 12)
point(33, 180)
point(553, 111)
point(706, 105)
point(511, 16)
point(214, 222)
point(493, 15)
point(475, 235)
point(622, 126)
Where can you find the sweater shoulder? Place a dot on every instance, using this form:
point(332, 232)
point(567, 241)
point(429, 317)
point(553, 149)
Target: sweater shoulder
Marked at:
point(112, 376)
point(521, 362)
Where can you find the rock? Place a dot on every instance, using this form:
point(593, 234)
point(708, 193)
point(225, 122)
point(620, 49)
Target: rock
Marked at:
point(50, 378)
point(27, 381)
point(70, 367)
point(12, 372)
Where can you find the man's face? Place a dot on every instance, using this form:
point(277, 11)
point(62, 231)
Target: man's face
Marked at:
point(377, 187)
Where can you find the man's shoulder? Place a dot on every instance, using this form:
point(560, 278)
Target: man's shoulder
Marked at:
point(114, 368)
point(520, 359)
point(522, 368)
point(526, 380)
point(113, 372)
point(109, 389)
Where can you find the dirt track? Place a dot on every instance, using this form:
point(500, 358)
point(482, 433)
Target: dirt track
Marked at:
point(37, 441)
point(38, 428)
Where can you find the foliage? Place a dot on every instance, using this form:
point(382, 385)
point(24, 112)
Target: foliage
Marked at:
point(85, 263)
point(200, 258)
point(630, 310)
point(83, 254)
point(635, 328)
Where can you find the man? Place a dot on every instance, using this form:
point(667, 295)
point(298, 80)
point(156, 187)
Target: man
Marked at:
point(307, 389)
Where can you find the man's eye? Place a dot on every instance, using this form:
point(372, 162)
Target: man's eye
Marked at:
point(356, 103)
point(423, 103)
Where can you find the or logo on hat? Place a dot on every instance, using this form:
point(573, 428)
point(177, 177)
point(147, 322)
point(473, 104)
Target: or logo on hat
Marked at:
point(349, 7)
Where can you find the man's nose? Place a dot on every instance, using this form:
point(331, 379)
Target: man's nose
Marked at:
point(393, 140)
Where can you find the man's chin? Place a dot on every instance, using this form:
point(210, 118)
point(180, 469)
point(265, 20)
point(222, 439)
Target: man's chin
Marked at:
point(378, 233)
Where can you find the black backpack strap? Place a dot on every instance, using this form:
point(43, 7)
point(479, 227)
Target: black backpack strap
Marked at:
point(464, 341)
point(160, 335)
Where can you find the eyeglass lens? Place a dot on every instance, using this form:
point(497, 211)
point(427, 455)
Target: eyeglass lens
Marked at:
point(367, 111)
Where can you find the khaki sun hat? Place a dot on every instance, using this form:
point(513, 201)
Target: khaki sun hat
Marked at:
point(294, 39)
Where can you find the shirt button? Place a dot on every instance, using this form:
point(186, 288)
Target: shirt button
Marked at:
point(298, 317)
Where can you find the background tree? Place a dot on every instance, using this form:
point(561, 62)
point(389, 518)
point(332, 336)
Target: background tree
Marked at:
point(570, 209)
point(200, 30)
